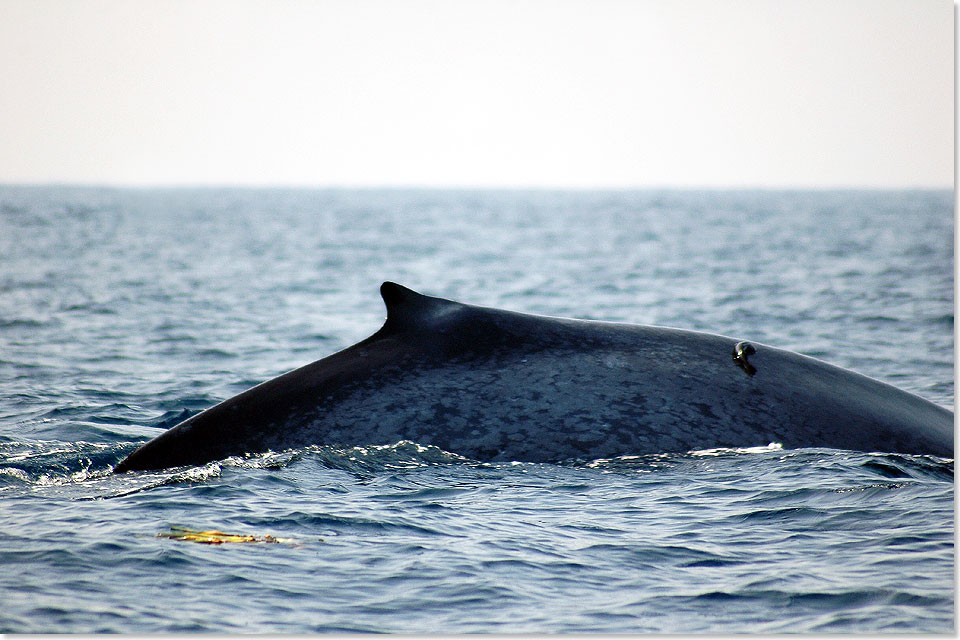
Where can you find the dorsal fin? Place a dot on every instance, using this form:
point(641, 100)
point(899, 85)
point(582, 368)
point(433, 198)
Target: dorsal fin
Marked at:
point(407, 307)
point(398, 297)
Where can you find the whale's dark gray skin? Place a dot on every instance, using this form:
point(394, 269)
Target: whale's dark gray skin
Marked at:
point(498, 385)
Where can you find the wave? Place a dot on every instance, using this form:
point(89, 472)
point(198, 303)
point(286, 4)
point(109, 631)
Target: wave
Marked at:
point(40, 464)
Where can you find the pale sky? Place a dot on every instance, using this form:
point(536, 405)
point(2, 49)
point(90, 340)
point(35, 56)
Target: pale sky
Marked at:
point(487, 93)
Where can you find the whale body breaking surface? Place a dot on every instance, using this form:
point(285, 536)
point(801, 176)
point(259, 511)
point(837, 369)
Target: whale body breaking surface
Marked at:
point(497, 385)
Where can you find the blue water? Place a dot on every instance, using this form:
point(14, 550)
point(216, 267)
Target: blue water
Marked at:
point(121, 308)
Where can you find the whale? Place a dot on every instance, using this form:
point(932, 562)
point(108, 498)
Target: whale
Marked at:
point(497, 385)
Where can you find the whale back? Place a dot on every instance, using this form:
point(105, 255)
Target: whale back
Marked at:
point(500, 385)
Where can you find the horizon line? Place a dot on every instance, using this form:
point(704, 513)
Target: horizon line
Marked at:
point(465, 187)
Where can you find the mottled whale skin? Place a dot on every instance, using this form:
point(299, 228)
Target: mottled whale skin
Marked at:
point(499, 385)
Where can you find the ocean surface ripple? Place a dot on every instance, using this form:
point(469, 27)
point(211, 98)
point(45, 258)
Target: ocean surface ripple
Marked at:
point(122, 311)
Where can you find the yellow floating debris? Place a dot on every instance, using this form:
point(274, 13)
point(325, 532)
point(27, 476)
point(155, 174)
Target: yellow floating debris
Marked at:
point(216, 537)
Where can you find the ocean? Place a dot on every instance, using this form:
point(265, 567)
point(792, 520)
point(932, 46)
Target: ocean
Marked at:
point(123, 310)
